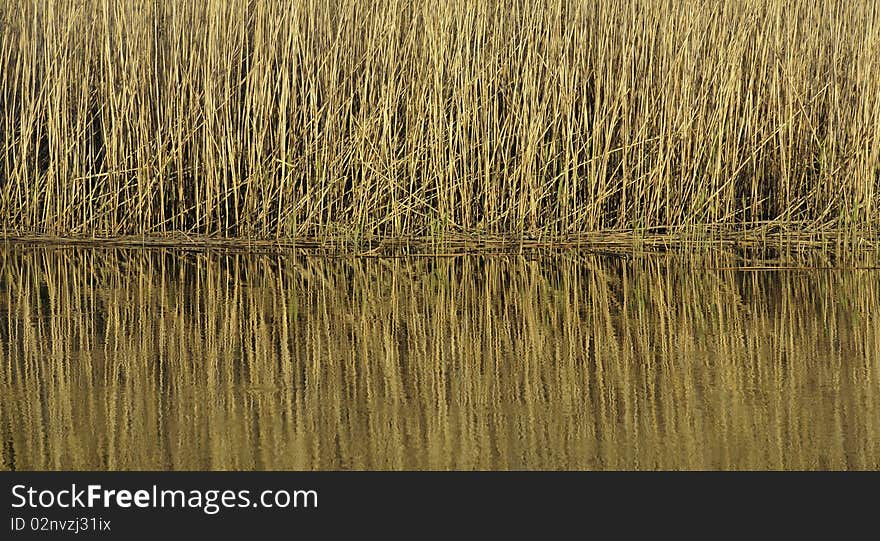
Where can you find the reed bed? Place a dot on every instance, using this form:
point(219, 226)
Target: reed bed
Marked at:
point(305, 119)
point(125, 359)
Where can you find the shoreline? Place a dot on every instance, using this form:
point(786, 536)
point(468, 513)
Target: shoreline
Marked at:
point(772, 237)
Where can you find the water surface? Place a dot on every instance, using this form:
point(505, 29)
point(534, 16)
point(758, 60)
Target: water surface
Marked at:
point(168, 359)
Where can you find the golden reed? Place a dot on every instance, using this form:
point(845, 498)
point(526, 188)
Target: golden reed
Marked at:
point(270, 119)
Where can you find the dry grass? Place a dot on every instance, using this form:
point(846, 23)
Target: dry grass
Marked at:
point(162, 360)
point(269, 119)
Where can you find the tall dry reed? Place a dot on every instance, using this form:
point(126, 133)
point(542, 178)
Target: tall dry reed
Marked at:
point(292, 119)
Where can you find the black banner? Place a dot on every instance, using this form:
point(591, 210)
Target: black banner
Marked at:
point(111, 505)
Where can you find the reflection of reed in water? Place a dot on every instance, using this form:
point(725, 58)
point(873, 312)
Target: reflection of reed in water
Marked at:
point(128, 359)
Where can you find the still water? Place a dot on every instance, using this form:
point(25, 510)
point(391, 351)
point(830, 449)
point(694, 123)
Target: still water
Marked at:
point(164, 359)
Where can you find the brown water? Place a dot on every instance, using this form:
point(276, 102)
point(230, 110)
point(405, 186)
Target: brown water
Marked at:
point(136, 359)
